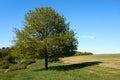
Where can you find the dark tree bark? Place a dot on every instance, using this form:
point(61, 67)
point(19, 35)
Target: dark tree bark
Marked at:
point(46, 58)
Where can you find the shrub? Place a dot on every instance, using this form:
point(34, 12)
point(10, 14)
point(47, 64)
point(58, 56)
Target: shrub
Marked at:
point(88, 53)
point(10, 59)
point(53, 59)
point(16, 67)
point(28, 61)
point(21, 65)
point(4, 64)
point(83, 53)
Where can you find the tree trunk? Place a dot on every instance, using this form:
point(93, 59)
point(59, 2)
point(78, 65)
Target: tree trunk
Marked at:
point(46, 58)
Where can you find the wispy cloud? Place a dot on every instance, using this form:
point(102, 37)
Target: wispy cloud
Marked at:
point(88, 37)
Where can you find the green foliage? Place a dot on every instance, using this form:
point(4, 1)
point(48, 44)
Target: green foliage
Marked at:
point(83, 53)
point(6, 58)
point(44, 27)
point(5, 51)
point(45, 34)
point(28, 61)
point(10, 59)
point(4, 64)
point(53, 59)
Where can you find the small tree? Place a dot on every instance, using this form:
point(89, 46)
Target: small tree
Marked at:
point(45, 34)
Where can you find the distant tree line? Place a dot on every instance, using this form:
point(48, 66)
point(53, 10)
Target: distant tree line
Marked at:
point(11, 62)
point(5, 57)
point(78, 53)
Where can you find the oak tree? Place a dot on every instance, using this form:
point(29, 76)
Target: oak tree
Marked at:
point(45, 34)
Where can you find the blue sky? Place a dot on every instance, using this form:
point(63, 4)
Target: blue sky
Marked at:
point(96, 22)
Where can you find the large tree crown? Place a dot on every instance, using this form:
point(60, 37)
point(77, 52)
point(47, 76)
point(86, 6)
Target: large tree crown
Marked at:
point(44, 28)
point(47, 20)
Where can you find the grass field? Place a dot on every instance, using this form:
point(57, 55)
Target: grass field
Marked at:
point(92, 67)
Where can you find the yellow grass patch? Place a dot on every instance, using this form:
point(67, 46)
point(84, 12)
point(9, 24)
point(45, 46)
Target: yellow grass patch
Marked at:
point(106, 61)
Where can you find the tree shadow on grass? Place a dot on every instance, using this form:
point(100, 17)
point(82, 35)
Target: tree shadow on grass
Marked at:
point(71, 66)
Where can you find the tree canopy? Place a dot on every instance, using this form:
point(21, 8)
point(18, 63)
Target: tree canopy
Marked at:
point(45, 34)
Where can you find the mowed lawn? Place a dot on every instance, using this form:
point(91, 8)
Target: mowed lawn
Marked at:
point(92, 67)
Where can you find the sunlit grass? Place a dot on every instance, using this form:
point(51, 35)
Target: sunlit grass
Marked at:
point(93, 67)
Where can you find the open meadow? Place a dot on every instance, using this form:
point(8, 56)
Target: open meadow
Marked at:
point(91, 67)
point(60, 40)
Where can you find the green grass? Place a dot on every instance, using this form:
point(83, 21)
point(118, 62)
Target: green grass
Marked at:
point(92, 67)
